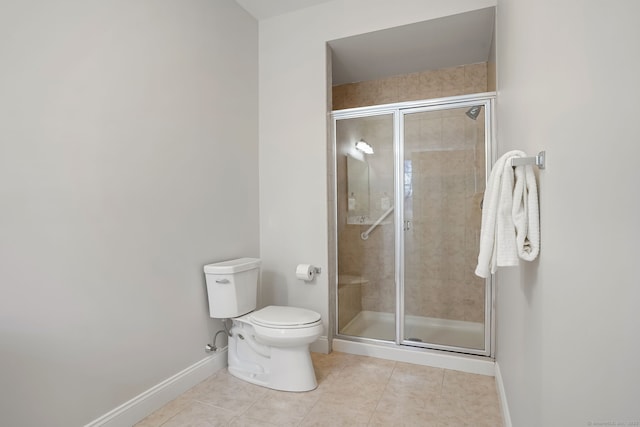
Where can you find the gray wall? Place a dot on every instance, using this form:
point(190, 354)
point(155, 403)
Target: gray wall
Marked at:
point(128, 159)
point(567, 344)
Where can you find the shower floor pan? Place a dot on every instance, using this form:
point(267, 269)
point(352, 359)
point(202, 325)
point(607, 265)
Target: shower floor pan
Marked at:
point(381, 326)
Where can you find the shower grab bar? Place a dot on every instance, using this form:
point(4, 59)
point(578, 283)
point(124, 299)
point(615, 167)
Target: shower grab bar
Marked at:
point(538, 160)
point(365, 235)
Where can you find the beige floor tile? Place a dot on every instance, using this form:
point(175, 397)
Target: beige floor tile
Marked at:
point(283, 408)
point(409, 417)
point(327, 413)
point(366, 364)
point(401, 410)
point(200, 415)
point(247, 421)
point(417, 380)
point(166, 412)
point(361, 393)
point(327, 368)
point(470, 397)
point(401, 398)
point(352, 391)
point(365, 372)
point(335, 358)
point(481, 411)
point(456, 382)
point(227, 392)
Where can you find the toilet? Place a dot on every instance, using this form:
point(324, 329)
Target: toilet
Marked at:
point(268, 347)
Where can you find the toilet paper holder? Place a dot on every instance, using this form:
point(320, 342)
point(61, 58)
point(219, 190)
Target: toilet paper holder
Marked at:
point(307, 272)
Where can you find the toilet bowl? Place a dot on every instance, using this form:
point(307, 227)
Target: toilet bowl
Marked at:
point(285, 326)
point(269, 346)
point(274, 355)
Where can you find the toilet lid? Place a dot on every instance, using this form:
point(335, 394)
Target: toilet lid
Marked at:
point(278, 316)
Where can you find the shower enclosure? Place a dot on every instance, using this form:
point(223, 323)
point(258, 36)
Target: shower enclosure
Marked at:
point(409, 184)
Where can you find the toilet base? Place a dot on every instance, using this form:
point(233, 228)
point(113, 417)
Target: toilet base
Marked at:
point(278, 368)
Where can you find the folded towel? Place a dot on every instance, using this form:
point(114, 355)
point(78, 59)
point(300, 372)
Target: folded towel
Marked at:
point(510, 218)
point(526, 214)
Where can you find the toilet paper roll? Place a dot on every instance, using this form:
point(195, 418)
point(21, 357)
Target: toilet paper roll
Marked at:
point(305, 272)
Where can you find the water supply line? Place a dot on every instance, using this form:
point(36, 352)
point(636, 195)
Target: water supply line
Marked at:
point(212, 347)
point(365, 235)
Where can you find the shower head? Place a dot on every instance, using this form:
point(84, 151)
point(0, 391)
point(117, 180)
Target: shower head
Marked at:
point(474, 112)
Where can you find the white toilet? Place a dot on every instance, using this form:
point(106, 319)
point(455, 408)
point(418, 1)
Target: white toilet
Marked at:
point(270, 346)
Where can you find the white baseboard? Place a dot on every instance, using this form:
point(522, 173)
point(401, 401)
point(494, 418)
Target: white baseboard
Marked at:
point(502, 396)
point(157, 396)
point(321, 345)
point(437, 359)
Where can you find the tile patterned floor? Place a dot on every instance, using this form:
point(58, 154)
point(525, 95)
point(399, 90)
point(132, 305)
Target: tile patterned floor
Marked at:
point(352, 391)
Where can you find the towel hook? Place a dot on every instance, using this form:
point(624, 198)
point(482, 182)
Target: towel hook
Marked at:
point(539, 160)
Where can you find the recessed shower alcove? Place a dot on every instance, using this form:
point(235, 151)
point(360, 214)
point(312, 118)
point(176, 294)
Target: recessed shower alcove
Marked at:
point(407, 209)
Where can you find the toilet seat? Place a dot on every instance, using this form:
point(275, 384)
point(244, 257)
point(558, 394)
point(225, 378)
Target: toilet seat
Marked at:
point(281, 317)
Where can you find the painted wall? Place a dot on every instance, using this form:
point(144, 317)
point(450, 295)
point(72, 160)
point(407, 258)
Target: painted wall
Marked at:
point(128, 160)
point(568, 324)
point(293, 133)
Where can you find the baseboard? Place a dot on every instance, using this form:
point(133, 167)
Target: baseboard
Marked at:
point(438, 359)
point(502, 396)
point(157, 396)
point(321, 345)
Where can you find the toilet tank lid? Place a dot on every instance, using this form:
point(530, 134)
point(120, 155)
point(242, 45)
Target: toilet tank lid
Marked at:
point(232, 266)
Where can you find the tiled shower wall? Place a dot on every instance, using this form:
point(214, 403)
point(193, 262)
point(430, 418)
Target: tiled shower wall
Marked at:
point(461, 80)
point(448, 181)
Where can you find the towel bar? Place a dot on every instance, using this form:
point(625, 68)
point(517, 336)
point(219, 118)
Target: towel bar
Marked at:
point(538, 160)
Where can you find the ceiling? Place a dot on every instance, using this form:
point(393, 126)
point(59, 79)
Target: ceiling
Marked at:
point(445, 42)
point(264, 9)
point(465, 38)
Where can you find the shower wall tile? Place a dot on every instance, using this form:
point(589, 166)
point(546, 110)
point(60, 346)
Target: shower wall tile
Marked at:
point(339, 94)
point(429, 84)
point(389, 90)
point(349, 303)
point(452, 81)
point(411, 88)
point(475, 78)
point(453, 132)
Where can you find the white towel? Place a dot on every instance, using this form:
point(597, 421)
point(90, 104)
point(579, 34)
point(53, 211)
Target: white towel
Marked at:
point(510, 218)
point(526, 214)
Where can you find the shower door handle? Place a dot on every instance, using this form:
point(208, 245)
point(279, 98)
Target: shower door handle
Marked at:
point(407, 226)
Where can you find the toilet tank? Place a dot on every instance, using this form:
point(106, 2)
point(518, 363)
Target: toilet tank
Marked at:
point(232, 287)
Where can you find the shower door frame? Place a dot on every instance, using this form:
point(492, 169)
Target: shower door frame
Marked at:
point(398, 111)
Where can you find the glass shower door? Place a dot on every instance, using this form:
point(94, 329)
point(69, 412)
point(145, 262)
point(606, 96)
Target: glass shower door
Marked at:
point(410, 180)
point(366, 294)
point(443, 162)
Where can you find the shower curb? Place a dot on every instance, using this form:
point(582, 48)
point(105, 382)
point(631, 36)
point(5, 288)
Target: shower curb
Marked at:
point(439, 359)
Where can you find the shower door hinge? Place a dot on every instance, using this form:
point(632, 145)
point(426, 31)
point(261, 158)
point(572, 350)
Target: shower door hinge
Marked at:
point(407, 226)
